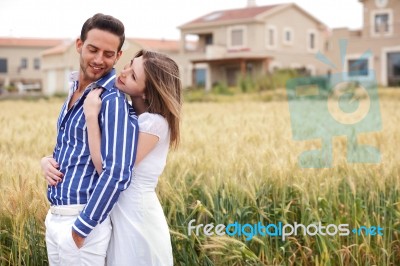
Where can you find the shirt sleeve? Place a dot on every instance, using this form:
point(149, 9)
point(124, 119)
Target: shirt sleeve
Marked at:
point(153, 124)
point(118, 147)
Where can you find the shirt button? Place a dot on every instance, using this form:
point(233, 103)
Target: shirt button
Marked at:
point(58, 148)
point(62, 128)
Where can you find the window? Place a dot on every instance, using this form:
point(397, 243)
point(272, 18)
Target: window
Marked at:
point(381, 23)
point(209, 39)
point(358, 67)
point(271, 37)
point(237, 37)
point(288, 36)
point(3, 65)
point(271, 40)
point(24, 63)
point(213, 16)
point(312, 40)
point(36, 63)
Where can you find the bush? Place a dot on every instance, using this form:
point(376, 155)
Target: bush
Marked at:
point(246, 84)
point(221, 88)
point(265, 83)
point(11, 88)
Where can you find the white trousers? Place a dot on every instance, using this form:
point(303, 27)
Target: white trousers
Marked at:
point(61, 248)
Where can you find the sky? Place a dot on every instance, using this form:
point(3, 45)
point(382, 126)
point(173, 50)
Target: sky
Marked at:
point(156, 19)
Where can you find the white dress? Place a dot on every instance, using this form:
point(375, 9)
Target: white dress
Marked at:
point(140, 231)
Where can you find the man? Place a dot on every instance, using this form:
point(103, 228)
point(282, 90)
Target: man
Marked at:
point(78, 226)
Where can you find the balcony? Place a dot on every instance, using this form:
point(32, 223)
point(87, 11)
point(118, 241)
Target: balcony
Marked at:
point(215, 51)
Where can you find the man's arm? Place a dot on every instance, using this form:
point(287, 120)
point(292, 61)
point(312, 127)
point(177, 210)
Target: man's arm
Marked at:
point(119, 138)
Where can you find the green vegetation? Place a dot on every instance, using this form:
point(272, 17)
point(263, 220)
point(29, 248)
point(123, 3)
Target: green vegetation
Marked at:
point(237, 162)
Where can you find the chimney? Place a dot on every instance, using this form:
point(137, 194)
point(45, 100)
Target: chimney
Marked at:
point(251, 3)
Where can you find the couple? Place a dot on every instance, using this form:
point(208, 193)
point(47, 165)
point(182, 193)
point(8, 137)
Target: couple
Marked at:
point(105, 146)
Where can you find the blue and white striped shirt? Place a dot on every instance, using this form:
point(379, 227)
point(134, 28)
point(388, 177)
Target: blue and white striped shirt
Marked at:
point(81, 184)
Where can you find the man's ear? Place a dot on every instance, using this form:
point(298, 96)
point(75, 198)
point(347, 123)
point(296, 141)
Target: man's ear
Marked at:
point(118, 57)
point(78, 45)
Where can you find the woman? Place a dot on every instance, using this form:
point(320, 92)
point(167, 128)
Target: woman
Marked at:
point(140, 231)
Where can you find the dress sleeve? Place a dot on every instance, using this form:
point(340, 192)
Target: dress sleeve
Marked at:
point(153, 124)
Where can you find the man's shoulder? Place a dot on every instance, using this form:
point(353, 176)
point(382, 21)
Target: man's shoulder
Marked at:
point(111, 94)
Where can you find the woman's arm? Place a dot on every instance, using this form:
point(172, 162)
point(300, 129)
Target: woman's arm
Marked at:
point(91, 108)
point(146, 143)
point(94, 137)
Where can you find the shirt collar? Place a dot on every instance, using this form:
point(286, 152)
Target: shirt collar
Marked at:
point(106, 82)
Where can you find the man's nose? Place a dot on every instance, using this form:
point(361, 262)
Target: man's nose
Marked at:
point(98, 58)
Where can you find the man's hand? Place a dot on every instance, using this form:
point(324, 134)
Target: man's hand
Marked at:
point(50, 172)
point(77, 239)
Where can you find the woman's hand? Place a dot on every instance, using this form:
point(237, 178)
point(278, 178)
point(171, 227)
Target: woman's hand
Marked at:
point(92, 104)
point(50, 171)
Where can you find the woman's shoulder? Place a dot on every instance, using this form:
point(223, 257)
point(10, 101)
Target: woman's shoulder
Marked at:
point(154, 118)
point(153, 123)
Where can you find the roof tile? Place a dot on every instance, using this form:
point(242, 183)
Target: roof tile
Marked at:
point(232, 14)
point(29, 42)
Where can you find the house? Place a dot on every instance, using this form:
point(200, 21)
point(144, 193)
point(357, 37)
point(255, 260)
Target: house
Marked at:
point(59, 61)
point(225, 45)
point(252, 41)
point(20, 61)
point(376, 46)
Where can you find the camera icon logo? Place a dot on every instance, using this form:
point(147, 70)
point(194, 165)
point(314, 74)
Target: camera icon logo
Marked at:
point(340, 104)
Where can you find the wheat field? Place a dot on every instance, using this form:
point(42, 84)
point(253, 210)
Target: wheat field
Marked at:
point(237, 162)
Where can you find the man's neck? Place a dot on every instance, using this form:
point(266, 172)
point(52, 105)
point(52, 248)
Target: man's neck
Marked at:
point(82, 86)
point(83, 82)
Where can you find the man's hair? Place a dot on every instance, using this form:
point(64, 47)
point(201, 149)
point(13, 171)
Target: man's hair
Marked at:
point(106, 23)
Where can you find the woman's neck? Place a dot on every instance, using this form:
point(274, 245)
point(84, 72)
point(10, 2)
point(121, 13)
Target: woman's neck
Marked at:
point(139, 105)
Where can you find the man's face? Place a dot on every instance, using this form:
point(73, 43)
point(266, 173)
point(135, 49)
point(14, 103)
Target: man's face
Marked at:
point(98, 54)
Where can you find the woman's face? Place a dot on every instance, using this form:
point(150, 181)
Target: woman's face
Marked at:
point(132, 78)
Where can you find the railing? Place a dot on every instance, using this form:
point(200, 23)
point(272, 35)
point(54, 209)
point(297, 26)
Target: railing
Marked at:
point(28, 87)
